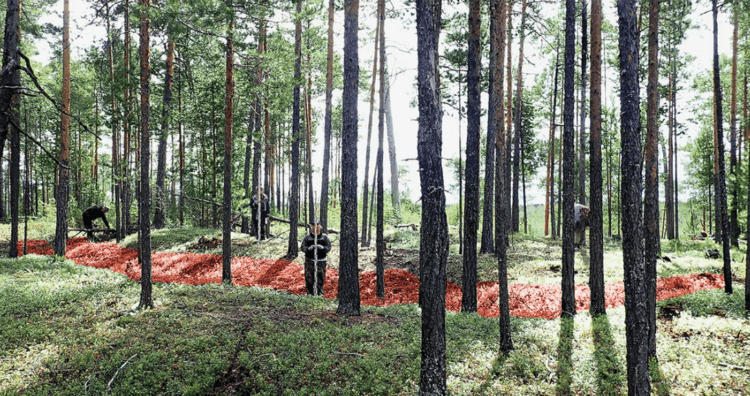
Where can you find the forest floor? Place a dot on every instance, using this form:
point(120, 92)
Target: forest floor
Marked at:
point(72, 329)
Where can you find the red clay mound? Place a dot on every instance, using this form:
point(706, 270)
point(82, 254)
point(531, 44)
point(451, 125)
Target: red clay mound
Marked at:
point(35, 246)
point(401, 286)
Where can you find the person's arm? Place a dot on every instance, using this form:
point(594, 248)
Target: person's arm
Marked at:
point(104, 219)
point(326, 243)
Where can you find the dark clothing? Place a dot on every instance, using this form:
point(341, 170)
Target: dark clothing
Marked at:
point(263, 208)
point(93, 213)
point(309, 247)
point(581, 217)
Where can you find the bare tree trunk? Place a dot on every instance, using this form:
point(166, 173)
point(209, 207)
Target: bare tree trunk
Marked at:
point(161, 173)
point(379, 240)
point(549, 201)
point(365, 187)
point(636, 315)
point(488, 243)
point(329, 111)
point(582, 133)
point(61, 198)
point(434, 240)
point(125, 160)
point(596, 232)
point(509, 121)
point(568, 251)
point(669, 155)
point(349, 298)
point(395, 194)
point(721, 191)
point(226, 251)
point(144, 242)
point(518, 135)
point(733, 226)
point(651, 204)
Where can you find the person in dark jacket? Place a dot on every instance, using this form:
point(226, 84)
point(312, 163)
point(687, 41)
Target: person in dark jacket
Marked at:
point(91, 214)
point(315, 245)
point(260, 208)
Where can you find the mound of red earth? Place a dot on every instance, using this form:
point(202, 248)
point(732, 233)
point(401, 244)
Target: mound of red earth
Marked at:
point(401, 286)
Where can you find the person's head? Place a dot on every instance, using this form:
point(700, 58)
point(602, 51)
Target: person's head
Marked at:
point(105, 209)
point(315, 227)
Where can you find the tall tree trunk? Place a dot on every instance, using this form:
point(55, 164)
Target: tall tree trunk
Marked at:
point(310, 195)
point(651, 204)
point(349, 299)
point(329, 111)
point(379, 241)
point(256, 135)
point(518, 135)
point(460, 174)
point(498, 9)
point(721, 190)
point(582, 133)
point(596, 232)
point(549, 202)
point(245, 228)
point(226, 251)
point(568, 250)
point(433, 248)
point(124, 162)
point(181, 148)
point(488, 243)
point(473, 110)
point(11, 54)
point(509, 121)
point(734, 227)
point(636, 315)
point(669, 155)
point(161, 173)
point(144, 242)
point(365, 187)
point(395, 194)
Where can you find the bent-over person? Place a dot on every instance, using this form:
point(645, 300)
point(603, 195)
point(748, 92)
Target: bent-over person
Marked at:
point(315, 245)
point(91, 214)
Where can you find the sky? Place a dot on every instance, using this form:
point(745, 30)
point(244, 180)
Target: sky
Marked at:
point(401, 46)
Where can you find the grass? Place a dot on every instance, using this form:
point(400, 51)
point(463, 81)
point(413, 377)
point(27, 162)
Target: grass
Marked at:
point(73, 330)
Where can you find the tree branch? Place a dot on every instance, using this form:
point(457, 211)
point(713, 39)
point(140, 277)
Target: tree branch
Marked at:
point(18, 128)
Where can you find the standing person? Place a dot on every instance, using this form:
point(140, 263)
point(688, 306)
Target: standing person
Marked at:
point(260, 208)
point(315, 245)
point(581, 223)
point(91, 214)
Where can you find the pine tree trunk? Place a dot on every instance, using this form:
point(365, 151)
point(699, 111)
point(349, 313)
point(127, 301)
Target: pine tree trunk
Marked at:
point(144, 242)
point(549, 202)
point(379, 240)
point(498, 10)
point(161, 173)
point(488, 243)
point(365, 188)
point(636, 315)
point(651, 204)
point(226, 252)
point(433, 248)
point(471, 210)
point(669, 155)
point(181, 144)
point(582, 133)
point(395, 194)
point(733, 226)
point(507, 170)
point(518, 135)
point(596, 231)
point(568, 143)
point(721, 191)
point(61, 198)
point(245, 228)
point(349, 299)
point(329, 111)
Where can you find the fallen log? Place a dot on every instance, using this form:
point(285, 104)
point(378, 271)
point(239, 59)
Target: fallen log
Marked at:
point(279, 219)
point(412, 226)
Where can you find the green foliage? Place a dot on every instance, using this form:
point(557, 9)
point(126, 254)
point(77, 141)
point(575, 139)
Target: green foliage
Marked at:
point(712, 302)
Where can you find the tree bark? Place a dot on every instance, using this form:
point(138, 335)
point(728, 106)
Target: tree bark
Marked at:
point(582, 133)
point(329, 111)
point(144, 242)
point(226, 253)
point(471, 210)
point(61, 198)
point(596, 231)
point(498, 10)
point(488, 243)
point(636, 315)
point(365, 187)
point(161, 173)
point(518, 135)
point(509, 121)
point(434, 242)
point(124, 162)
point(245, 227)
point(669, 155)
point(568, 250)
point(349, 299)
point(395, 194)
point(550, 198)
point(379, 240)
point(733, 226)
point(651, 205)
point(721, 190)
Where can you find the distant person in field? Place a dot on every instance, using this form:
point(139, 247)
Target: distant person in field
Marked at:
point(315, 246)
point(260, 209)
point(581, 223)
point(91, 214)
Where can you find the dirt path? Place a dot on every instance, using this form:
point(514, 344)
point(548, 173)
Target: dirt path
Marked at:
point(401, 286)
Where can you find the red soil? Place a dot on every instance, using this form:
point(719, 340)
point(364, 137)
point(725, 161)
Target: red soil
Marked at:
point(401, 286)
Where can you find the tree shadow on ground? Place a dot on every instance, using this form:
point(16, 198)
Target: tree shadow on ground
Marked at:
point(610, 378)
point(659, 383)
point(565, 356)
